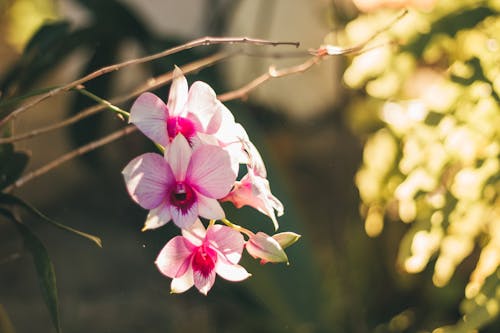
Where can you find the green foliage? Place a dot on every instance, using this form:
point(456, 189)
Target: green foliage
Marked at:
point(43, 266)
point(435, 162)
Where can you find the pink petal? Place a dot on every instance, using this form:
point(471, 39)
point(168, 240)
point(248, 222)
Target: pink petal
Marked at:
point(178, 94)
point(231, 272)
point(150, 114)
point(203, 103)
point(227, 241)
point(147, 178)
point(210, 172)
point(174, 255)
point(182, 283)
point(178, 156)
point(184, 219)
point(195, 234)
point(209, 208)
point(204, 283)
point(157, 217)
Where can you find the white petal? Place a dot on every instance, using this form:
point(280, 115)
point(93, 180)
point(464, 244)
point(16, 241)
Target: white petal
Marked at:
point(178, 94)
point(150, 114)
point(178, 156)
point(157, 217)
point(231, 272)
point(182, 283)
point(196, 233)
point(203, 103)
point(209, 208)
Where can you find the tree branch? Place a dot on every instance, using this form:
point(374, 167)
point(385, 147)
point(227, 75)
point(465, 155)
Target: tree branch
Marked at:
point(197, 42)
point(72, 154)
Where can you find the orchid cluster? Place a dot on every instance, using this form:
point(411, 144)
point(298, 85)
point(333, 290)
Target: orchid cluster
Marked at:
point(203, 148)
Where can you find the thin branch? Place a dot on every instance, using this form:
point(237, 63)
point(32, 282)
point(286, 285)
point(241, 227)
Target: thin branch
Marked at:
point(72, 154)
point(334, 50)
point(151, 84)
point(270, 74)
point(197, 42)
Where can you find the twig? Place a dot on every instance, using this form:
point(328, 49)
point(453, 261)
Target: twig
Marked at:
point(151, 84)
point(270, 74)
point(197, 42)
point(72, 154)
point(334, 50)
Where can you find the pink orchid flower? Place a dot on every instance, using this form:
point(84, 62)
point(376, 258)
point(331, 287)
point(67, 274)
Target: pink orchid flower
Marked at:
point(198, 255)
point(253, 190)
point(188, 111)
point(182, 185)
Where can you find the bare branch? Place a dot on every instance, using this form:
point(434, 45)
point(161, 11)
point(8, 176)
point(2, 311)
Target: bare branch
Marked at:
point(72, 154)
point(197, 42)
point(151, 84)
point(270, 74)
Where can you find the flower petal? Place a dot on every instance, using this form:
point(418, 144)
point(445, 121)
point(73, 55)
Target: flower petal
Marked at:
point(150, 114)
point(184, 219)
point(195, 234)
point(147, 178)
point(202, 102)
point(157, 217)
point(174, 256)
point(204, 283)
point(210, 172)
point(265, 247)
point(178, 94)
point(182, 283)
point(227, 241)
point(231, 272)
point(209, 208)
point(178, 156)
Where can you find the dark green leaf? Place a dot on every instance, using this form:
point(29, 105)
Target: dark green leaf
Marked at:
point(12, 200)
point(12, 165)
point(43, 266)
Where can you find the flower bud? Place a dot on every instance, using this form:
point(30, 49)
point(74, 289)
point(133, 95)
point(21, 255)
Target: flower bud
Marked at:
point(264, 247)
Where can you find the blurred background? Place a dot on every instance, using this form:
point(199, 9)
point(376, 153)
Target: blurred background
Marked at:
point(387, 164)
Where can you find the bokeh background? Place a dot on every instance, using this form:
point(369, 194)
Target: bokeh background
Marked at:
point(379, 160)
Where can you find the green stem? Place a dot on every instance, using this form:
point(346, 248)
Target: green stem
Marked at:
point(104, 102)
point(237, 227)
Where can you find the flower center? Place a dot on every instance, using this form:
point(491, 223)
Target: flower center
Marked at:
point(204, 260)
point(176, 125)
point(182, 196)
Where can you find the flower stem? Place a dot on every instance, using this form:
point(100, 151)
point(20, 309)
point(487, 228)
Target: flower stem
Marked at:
point(85, 92)
point(237, 227)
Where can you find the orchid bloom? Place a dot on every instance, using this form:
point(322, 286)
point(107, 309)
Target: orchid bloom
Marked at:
point(182, 185)
point(253, 190)
point(188, 112)
point(198, 255)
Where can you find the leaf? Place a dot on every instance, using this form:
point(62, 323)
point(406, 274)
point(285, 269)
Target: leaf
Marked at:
point(43, 266)
point(12, 165)
point(5, 323)
point(12, 200)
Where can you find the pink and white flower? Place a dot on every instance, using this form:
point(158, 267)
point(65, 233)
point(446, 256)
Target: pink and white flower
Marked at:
point(196, 257)
point(187, 112)
point(253, 190)
point(182, 185)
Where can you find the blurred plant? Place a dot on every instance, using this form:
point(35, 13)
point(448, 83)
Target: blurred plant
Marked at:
point(434, 161)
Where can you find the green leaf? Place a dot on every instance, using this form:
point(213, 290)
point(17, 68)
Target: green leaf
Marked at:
point(12, 200)
point(43, 266)
point(12, 165)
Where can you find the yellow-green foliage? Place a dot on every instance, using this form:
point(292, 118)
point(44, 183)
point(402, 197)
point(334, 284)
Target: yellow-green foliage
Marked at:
point(435, 161)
